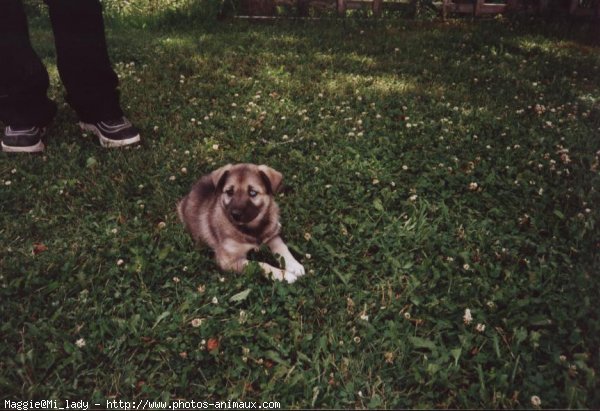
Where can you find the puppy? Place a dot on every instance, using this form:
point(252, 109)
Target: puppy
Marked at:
point(233, 211)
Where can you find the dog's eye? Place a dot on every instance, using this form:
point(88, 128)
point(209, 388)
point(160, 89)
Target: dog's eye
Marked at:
point(252, 193)
point(229, 192)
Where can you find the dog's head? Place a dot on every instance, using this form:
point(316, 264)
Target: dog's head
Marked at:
point(246, 191)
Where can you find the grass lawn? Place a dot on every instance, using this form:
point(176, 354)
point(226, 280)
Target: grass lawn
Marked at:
point(430, 168)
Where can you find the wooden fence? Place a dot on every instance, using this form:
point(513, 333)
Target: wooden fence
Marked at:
point(255, 8)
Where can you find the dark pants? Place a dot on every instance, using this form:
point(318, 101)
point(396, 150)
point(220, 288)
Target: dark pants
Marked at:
point(82, 60)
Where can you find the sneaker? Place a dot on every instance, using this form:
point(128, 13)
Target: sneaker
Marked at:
point(113, 133)
point(23, 139)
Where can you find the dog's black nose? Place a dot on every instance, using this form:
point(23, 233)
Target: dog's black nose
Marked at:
point(236, 215)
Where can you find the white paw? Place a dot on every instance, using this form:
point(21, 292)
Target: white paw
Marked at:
point(295, 268)
point(289, 277)
point(277, 275)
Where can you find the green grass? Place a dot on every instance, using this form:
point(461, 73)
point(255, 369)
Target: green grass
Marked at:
point(381, 131)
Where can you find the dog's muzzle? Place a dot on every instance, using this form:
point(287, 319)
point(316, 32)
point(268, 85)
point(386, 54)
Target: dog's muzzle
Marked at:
point(236, 215)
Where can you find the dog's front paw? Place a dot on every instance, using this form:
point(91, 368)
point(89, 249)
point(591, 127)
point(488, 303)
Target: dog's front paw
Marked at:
point(295, 268)
point(289, 277)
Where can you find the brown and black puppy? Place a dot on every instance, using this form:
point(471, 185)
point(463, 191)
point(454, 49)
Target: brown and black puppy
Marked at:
point(233, 211)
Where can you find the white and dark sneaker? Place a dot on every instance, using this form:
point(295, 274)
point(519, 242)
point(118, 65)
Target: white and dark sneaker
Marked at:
point(113, 133)
point(23, 139)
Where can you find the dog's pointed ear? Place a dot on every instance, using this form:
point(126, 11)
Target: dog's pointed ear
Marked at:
point(271, 177)
point(218, 176)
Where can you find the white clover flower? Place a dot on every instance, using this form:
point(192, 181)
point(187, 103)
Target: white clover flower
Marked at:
point(243, 316)
point(467, 318)
point(413, 197)
point(215, 147)
point(389, 357)
point(536, 401)
point(364, 317)
point(120, 262)
point(480, 328)
point(196, 322)
point(473, 186)
point(176, 280)
point(162, 225)
point(80, 343)
point(215, 300)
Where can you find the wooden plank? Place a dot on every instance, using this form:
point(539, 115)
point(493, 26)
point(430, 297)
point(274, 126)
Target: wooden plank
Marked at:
point(445, 6)
point(377, 7)
point(476, 9)
point(323, 4)
point(358, 4)
point(464, 8)
point(492, 8)
point(583, 12)
point(573, 6)
point(575, 9)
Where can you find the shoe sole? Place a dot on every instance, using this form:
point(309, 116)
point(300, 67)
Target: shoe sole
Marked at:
point(107, 142)
point(37, 148)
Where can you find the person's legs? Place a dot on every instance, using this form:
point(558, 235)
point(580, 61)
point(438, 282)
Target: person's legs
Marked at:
point(23, 78)
point(82, 58)
point(86, 72)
